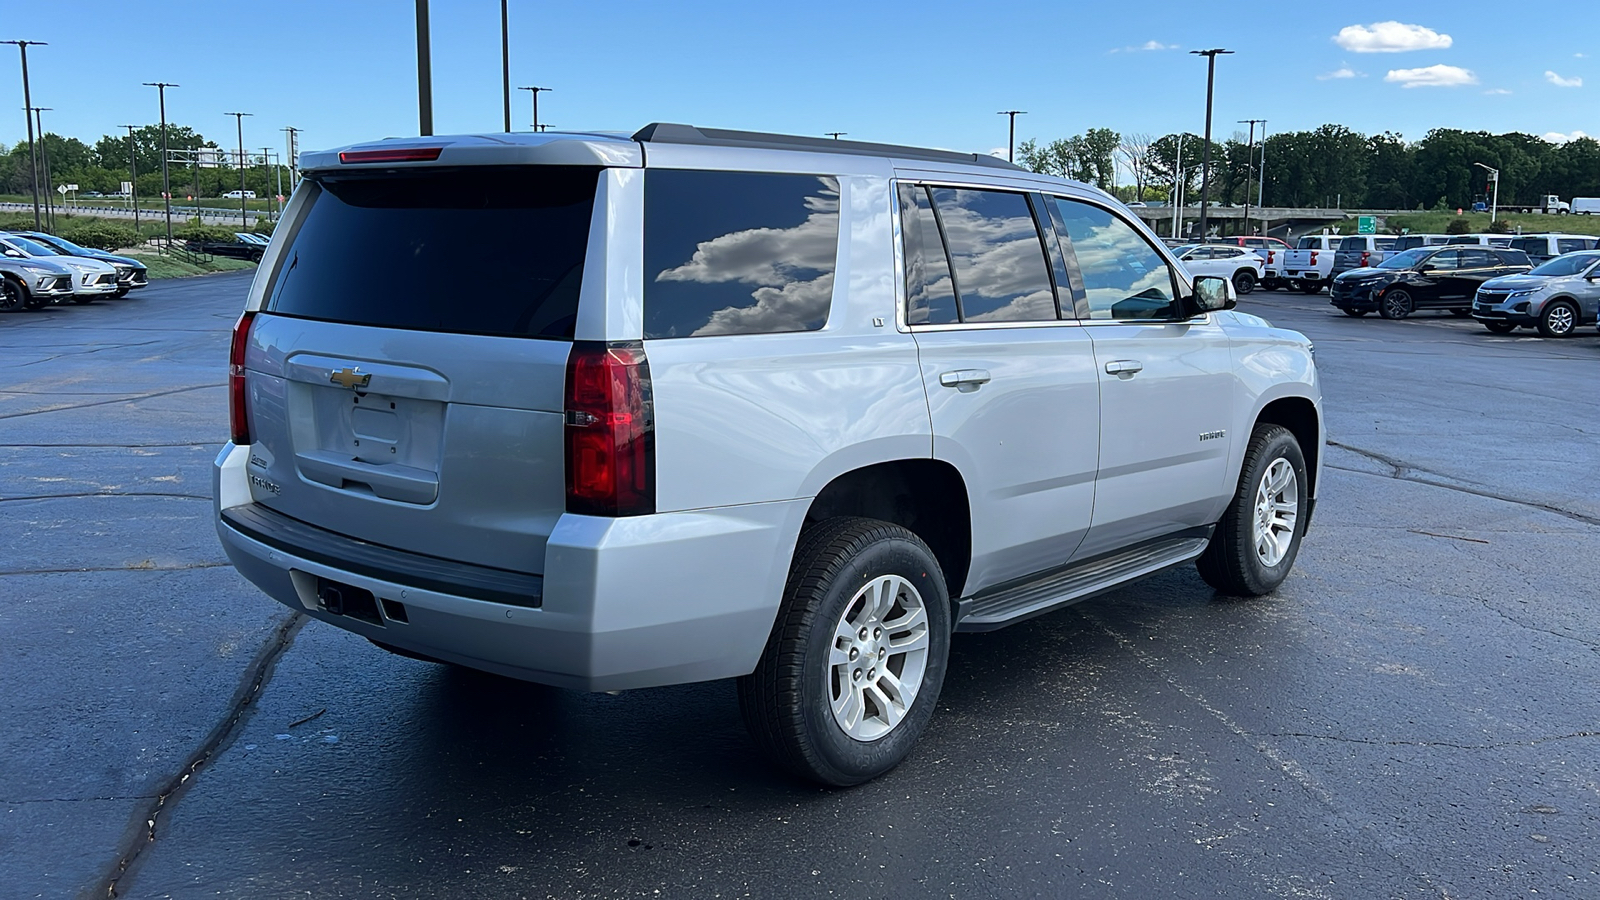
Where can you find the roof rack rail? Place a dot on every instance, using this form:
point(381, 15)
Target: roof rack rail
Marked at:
point(670, 133)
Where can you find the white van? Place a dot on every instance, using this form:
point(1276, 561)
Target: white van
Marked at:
point(240, 195)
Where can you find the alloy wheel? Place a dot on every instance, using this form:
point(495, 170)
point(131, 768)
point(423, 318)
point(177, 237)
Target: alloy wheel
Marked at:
point(1276, 511)
point(878, 658)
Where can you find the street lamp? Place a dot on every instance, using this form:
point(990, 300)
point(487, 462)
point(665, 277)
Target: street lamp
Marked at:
point(44, 166)
point(535, 92)
point(133, 182)
point(1205, 151)
point(1249, 168)
point(1494, 205)
point(244, 218)
point(836, 134)
point(505, 62)
point(294, 164)
point(27, 101)
point(166, 182)
point(424, 73)
point(1011, 142)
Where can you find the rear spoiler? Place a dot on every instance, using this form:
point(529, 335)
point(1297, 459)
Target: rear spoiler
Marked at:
point(554, 149)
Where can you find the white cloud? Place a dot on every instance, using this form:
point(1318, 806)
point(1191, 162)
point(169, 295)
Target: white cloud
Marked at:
point(1558, 81)
point(1556, 137)
point(1580, 55)
point(1431, 76)
point(1497, 92)
point(1147, 45)
point(1390, 37)
point(1343, 72)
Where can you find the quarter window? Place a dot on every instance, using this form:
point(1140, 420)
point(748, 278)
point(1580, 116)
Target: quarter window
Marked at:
point(930, 292)
point(738, 252)
point(1123, 276)
point(997, 255)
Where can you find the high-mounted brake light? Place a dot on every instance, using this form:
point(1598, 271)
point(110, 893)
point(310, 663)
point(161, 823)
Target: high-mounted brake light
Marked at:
point(610, 431)
point(396, 154)
point(238, 418)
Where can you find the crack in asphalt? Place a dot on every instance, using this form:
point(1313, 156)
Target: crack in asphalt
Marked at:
point(7, 802)
point(1592, 645)
point(105, 494)
point(100, 349)
point(1402, 471)
point(129, 568)
point(40, 412)
point(1443, 744)
point(143, 826)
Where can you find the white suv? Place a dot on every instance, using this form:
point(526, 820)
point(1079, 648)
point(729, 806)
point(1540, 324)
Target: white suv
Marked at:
point(737, 405)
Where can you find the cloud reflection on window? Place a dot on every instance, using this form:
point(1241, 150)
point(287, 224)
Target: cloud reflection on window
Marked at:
point(1000, 266)
point(1123, 275)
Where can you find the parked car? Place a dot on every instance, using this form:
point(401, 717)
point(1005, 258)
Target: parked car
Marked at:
point(240, 195)
point(29, 283)
point(681, 450)
point(1443, 278)
point(131, 273)
point(94, 278)
point(234, 249)
point(250, 237)
point(1544, 247)
point(1410, 241)
point(1309, 265)
point(1359, 251)
point(1556, 297)
point(1482, 240)
point(1242, 267)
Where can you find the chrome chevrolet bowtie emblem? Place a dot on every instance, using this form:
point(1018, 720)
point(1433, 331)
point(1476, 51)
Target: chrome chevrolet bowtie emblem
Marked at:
point(351, 378)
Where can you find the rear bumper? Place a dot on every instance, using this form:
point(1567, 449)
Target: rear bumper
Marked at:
point(624, 603)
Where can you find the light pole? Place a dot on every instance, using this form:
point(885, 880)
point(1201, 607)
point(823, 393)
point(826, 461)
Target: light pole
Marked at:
point(133, 181)
point(294, 162)
point(166, 182)
point(27, 101)
point(1261, 177)
point(424, 73)
point(1011, 142)
point(1205, 150)
point(1177, 193)
point(535, 92)
point(505, 61)
point(1494, 205)
point(1249, 167)
point(44, 167)
point(244, 218)
point(836, 134)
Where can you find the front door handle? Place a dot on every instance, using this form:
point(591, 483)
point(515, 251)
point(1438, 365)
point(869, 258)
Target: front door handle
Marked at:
point(1124, 367)
point(965, 380)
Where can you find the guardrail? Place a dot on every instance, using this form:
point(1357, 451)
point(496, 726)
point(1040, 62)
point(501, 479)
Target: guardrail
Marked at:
point(218, 215)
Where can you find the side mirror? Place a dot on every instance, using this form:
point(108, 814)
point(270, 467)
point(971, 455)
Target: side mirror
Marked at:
point(1214, 294)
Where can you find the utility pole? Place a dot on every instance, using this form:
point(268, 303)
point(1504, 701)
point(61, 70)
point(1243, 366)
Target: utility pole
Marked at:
point(535, 92)
point(1177, 189)
point(244, 217)
point(27, 102)
point(294, 158)
point(1249, 167)
point(1261, 177)
point(166, 182)
point(424, 73)
point(266, 160)
point(835, 134)
point(1011, 142)
point(1494, 204)
point(505, 61)
point(133, 181)
point(44, 168)
point(1205, 150)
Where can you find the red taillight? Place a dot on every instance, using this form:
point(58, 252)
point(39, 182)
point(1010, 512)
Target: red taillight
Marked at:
point(1313, 257)
point(1364, 256)
point(237, 416)
point(1270, 254)
point(610, 431)
point(396, 154)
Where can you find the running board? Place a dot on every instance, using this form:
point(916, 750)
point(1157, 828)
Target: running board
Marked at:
point(1063, 587)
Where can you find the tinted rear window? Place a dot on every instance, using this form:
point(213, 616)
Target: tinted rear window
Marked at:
point(738, 252)
point(489, 250)
point(1353, 243)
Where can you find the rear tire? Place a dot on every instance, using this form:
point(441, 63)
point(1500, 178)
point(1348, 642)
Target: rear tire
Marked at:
point(1244, 281)
point(1258, 537)
point(827, 703)
point(1270, 284)
point(1500, 327)
point(1311, 287)
point(1459, 313)
point(1559, 319)
point(1395, 304)
point(1356, 313)
point(12, 295)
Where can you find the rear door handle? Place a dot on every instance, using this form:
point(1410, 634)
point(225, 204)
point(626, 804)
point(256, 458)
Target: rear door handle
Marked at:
point(965, 380)
point(1124, 367)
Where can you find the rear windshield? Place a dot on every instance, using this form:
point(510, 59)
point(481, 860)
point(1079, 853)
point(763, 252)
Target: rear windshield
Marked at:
point(1309, 243)
point(486, 250)
point(1353, 243)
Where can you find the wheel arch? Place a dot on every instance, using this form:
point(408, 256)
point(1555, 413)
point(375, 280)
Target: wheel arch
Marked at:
point(926, 496)
point(1299, 415)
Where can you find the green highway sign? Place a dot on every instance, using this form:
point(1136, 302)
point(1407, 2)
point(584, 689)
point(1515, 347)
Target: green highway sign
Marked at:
point(1366, 225)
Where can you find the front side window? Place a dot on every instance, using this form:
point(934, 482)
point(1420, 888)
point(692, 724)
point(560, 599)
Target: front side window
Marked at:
point(738, 252)
point(1123, 276)
point(997, 254)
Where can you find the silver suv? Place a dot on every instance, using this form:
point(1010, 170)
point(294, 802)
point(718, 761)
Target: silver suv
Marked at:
point(1555, 297)
point(741, 405)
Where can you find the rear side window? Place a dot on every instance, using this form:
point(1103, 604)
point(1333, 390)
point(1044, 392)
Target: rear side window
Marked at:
point(1514, 258)
point(738, 252)
point(1002, 273)
point(1478, 259)
point(1567, 245)
point(490, 250)
point(930, 293)
point(1123, 276)
point(1529, 245)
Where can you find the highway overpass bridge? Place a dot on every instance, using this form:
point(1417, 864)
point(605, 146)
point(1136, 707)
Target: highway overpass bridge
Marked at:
point(1278, 220)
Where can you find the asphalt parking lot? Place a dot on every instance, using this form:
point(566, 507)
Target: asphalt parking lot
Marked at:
point(1413, 715)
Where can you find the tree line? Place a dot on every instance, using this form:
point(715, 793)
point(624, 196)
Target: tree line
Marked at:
point(1328, 166)
point(104, 165)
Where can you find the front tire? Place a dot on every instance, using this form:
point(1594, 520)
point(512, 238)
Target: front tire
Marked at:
point(1559, 320)
point(1395, 304)
point(1500, 327)
point(1257, 539)
point(852, 671)
point(1355, 313)
point(1244, 281)
point(12, 295)
point(1459, 313)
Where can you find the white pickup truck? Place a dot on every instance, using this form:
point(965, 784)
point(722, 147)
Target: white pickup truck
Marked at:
point(1309, 265)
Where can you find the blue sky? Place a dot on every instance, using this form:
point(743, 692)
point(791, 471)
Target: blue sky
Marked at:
point(928, 73)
